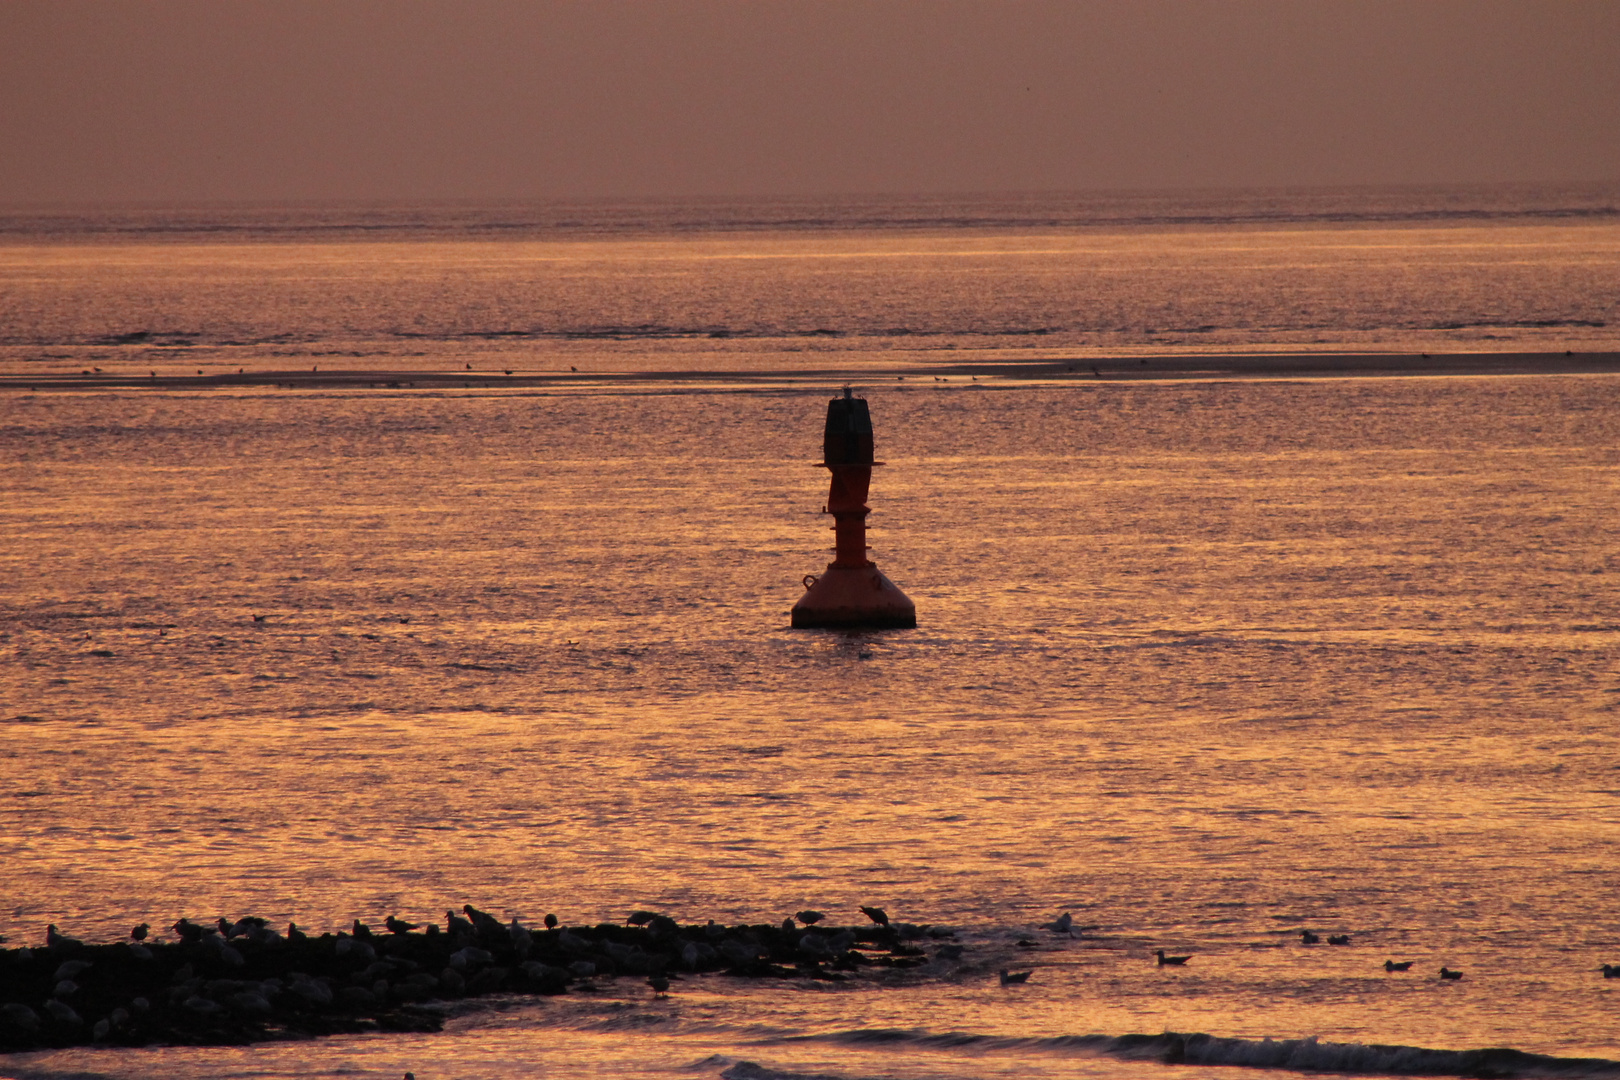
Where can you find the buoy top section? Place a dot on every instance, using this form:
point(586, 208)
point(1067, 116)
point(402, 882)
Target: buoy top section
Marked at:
point(848, 440)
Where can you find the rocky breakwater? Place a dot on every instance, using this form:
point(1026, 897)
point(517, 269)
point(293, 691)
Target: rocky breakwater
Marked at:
point(244, 981)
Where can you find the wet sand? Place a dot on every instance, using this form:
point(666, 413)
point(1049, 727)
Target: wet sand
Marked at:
point(1135, 368)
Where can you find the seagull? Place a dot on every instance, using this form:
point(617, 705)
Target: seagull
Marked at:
point(1176, 961)
point(457, 924)
point(641, 918)
point(660, 985)
point(876, 914)
point(1008, 978)
point(1059, 925)
point(361, 930)
point(139, 933)
point(1339, 939)
point(1611, 971)
point(1404, 965)
point(398, 926)
point(294, 934)
point(1308, 938)
point(1447, 973)
point(809, 918)
point(56, 940)
point(551, 922)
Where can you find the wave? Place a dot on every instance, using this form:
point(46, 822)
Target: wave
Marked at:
point(1174, 1048)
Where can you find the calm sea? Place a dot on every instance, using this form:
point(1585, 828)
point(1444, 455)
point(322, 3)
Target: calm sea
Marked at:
point(1204, 663)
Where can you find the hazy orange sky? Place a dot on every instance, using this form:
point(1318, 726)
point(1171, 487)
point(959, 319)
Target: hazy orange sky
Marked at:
point(388, 99)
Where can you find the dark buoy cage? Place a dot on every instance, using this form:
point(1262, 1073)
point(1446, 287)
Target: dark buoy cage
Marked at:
point(852, 593)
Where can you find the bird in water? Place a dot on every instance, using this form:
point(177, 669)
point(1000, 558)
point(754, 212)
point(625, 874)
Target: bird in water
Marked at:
point(660, 985)
point(398, 926)
point(140, 932)
point(1308, 938)
point(808, 917)
point(876, 914)
point(1339, 939)
point(1611, 971)
point(1171, 961)
point(551, 922)
point(1404, 965)
point(1447, 973)
point(1060, 925)
point(1010, 978)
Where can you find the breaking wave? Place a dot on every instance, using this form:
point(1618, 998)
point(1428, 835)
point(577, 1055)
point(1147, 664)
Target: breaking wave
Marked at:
point(1173, 1048)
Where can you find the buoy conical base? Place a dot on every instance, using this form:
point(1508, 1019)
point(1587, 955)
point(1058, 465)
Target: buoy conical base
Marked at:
point(851, 597)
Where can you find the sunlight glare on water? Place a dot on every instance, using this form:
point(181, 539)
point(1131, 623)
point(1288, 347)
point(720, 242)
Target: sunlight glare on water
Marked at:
point(1203, 663)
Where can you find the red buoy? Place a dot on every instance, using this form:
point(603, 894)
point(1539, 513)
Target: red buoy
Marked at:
point(852, 592)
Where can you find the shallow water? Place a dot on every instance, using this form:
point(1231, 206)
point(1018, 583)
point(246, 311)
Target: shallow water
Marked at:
point(1202, 663)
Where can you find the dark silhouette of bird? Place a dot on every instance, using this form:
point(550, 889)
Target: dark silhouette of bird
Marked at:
point(398, 926)
point(56, 940)
point(787, 923)
point(227, 929)
point(1404, 965)
point(551, 922)
point(483, 920)
point(1060, 925)
point(1611, 971)
point(1010, 978)
point(361, 930)
point(260, 618)
point(1339, 939)
point(457, 924)
point(139, 933)
point(1025, 943)
point(876, 914)
point(660, 985)
point(294, 934)
point(1308, 938)
point(808, 917)
point(189, 932)
point(641, 918)
point(1171, 961)
point(1447, 973)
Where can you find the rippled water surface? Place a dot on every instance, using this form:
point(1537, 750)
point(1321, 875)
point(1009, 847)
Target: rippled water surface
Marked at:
point(1203, 663)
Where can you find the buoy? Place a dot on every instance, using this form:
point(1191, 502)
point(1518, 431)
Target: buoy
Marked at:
point(852, 593)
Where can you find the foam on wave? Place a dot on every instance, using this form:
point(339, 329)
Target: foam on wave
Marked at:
point(1296, 1055)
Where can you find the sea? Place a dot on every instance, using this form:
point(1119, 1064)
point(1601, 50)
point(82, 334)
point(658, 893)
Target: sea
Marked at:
point(1204, 662)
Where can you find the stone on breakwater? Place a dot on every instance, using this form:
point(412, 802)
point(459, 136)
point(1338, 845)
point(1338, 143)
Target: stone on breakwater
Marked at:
point(245, 982)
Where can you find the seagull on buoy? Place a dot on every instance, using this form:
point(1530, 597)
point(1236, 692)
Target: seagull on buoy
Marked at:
point(1171, 961)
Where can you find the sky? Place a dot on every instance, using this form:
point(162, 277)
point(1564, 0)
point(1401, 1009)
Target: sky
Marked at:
point(185, 100)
